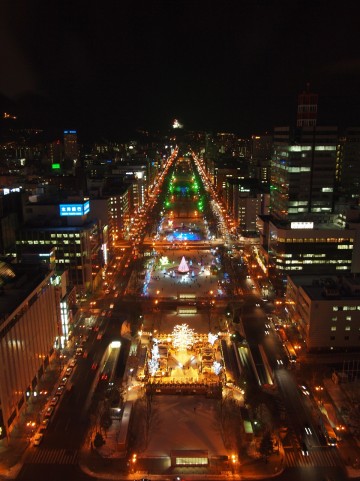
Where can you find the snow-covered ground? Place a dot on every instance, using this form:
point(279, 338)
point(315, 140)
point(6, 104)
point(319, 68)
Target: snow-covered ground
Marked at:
point(184, 423)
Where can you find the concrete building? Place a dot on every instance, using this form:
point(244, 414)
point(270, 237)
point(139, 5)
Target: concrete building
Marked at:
point(327, 311)
point(71, 148)
point(66, 226)
point(308, 247)
point(261, 153)
point(28, 332)
point(243, 200)
point(348, 164)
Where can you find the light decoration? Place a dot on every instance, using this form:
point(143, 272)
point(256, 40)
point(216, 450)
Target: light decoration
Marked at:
point(212, 338)
point(217, 367)
point(177, 125)
point(153, 362)
point(182, 337)
point(164, 260)
point(183, 266)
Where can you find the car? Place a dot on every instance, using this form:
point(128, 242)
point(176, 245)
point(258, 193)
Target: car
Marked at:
point(59, 390)
point(72, 363)
point(103, 313)
point(79, 351)
point(49, 411)
point(96, 328)
point(94, 366)
point(38, 439)
point(304, 449)
point(44, 423)
point(63, 381)
point(68, 371)
point(305, 390)
point(54, 401)
point(257, 305)
point(308, 431)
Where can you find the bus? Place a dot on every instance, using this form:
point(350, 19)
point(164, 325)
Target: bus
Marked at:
point(290, 351)
point(327, 431)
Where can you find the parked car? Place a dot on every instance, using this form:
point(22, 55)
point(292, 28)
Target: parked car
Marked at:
point(54, 401)
point(49, 411)
point(38, 438)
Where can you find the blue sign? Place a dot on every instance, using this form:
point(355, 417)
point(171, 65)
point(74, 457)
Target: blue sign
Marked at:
point(74, 209)
point(69, 131)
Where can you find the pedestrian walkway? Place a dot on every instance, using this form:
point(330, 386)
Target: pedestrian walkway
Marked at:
point(320, 457)
point(52, 456)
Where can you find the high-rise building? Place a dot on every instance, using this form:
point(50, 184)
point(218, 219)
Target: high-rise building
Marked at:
point(303, 170)
point(261, 151)
point(348, 163)
point(71, 149)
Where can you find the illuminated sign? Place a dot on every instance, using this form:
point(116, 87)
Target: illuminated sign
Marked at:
point(302, 225)
point(69, 132)
point(55, 166)
point(74, 209)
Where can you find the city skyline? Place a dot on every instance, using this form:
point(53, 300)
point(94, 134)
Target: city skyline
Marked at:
point(109, 69)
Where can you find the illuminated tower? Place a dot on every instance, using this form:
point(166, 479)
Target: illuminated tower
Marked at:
point(307, 108)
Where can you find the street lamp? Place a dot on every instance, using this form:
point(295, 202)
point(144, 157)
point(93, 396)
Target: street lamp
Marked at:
point(319, 390)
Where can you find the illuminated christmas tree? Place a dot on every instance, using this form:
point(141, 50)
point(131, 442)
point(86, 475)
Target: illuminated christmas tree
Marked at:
point(183, 266)
point(183, 337)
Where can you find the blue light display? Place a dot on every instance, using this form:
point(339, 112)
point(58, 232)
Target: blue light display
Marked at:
point(74, 209)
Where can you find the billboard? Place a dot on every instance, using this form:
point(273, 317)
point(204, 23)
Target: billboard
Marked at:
point(74, 209)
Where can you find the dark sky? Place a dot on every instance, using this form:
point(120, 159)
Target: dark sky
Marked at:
point(110, 66)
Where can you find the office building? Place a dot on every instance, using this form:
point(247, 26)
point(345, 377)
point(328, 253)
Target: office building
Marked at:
point(348, 164)
point(29, 322)
point(71, 148)
point(326, 311)
point(303, 170)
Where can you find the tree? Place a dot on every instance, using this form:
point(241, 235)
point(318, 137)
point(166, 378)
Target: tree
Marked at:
point(99, 440)
point(266, 445)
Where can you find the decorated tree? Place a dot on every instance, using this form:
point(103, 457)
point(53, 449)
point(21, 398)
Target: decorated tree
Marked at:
point(182, 337)
point(153, 362)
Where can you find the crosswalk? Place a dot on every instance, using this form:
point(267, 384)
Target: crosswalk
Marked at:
point(52, 456)
point(317, 457)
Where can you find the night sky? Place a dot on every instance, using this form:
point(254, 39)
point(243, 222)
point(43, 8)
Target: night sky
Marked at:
point(106, 67)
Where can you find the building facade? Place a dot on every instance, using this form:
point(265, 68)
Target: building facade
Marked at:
point(326, 310)
point(28, 333)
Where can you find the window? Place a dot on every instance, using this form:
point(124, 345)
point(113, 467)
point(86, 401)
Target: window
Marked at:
point(332, 338)
point(333, 328)
point(346, 338)
point(347, 328)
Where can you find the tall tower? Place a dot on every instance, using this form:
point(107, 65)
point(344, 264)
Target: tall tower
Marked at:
point(307, 108)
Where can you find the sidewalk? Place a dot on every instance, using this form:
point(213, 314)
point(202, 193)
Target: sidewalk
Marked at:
point(114, 468)
point(13, 450)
